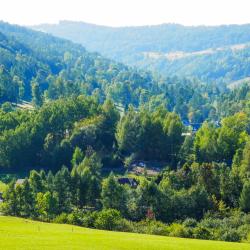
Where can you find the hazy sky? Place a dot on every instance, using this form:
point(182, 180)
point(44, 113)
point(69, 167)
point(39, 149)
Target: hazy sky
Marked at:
point(126, 12)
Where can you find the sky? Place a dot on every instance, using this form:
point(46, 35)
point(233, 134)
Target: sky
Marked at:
point(126, 12)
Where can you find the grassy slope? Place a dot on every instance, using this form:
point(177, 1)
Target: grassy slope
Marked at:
point(18, 233)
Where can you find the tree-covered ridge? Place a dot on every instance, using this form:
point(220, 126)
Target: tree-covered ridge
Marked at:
point(58, 66)
point(132, 45)
point(39, 66)
point(159, 38)
point(221, 67)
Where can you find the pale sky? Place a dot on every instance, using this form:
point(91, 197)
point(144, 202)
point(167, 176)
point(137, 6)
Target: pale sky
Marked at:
point(126, 12)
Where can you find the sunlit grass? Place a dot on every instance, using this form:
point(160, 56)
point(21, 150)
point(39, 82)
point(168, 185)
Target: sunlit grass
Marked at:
point(16, 233)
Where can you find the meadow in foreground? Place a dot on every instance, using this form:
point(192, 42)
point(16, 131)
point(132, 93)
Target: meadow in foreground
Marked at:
point(19, 233)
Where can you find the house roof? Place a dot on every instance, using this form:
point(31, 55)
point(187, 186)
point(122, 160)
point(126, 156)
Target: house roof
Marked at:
point(130, 181)
point(20, 181)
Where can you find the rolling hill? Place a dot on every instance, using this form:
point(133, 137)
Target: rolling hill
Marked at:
point(213, 54)
point(60, 68)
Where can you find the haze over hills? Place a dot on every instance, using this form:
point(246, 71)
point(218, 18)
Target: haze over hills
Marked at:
point(211, 53)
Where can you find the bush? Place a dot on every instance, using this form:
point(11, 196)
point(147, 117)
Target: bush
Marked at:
point(231, 235)
point(151, 227)
point(243, 231)
point(202, 233)
point(125, 226)
point(61, 219)
point(189, 222)
point(108, 219)
point(179, 230)
point(75, 218)
point(88, 219)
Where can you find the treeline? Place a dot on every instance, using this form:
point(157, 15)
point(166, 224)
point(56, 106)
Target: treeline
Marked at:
point(126, 42)
point(47, 137)
point(204, 201)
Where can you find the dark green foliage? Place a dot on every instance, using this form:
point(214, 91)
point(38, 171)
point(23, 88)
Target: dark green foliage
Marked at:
point(113, 194)
point(245, 197)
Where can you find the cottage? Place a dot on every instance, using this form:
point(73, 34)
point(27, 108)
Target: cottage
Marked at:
point(128, 181)
point(1, 197)
point(19, 182)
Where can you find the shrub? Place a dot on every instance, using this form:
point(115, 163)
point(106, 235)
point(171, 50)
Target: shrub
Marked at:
point(61, 219)
point(151, 227)
point(88, 219)
point(179, 230)
point(189, 222)
point(125, 226)
point(231, 235)
point(108, 219)
point(202, 233)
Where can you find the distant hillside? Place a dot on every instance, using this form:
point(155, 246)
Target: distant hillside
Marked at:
point(216, 53)
point(40, 67)
point(59, 68)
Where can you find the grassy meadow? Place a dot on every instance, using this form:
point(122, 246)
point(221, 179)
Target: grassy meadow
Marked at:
point(16, 233)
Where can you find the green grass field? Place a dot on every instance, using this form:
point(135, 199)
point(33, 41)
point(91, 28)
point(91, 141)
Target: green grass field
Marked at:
point(16, 233)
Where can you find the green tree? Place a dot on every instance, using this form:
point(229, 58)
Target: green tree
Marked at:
point(245, 163)
point(36, 182)
point(36, 94)
point(128, 134)
point(77, 157)
point(28, 204)
point(113, 194)
point(46, 205)
point(245, 197)
point(205, 143)
point(62, 189)
point(10, 205)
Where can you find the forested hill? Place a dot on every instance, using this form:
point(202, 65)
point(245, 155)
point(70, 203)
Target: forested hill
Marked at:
point(29, 57)
point(216, 53)
point(39, 67)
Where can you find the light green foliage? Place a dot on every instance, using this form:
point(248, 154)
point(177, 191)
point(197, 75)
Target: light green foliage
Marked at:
point(46, 205)
point(77, 157)
point(220, 144)
point(2, 186)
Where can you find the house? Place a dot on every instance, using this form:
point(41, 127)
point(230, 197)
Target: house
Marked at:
point(19, 182)
point(128, 181)
point(1, 197)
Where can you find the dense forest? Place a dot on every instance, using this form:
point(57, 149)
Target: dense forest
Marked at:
point(107, 146)
point(42, 67)
point(210, 53)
